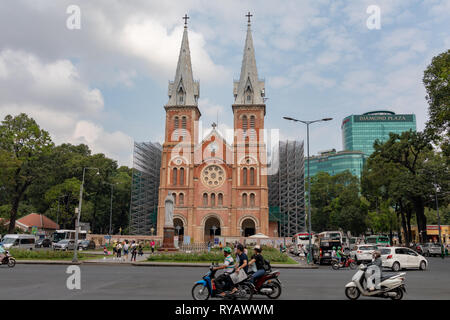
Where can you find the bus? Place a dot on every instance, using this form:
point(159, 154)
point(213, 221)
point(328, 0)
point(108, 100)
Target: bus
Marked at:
point(332, 235)
point(59, 235)
point(302, 239)
point(380, 240)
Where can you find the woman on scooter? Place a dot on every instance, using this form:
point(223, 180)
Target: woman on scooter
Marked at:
point(372, 268)
point(258, 260)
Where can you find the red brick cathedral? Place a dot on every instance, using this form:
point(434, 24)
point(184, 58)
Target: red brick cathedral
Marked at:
point(219, 188)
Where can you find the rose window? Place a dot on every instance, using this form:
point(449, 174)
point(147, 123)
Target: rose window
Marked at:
point(213, 176)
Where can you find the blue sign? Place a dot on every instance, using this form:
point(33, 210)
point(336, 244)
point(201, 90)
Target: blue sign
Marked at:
point(186, 239)
point(216, 240)
point(107, 237)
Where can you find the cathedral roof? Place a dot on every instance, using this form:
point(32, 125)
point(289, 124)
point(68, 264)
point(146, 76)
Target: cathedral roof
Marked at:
point(249, 89)
point(184, 91)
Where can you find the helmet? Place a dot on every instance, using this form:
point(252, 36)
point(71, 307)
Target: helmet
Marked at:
point(334, 248)
point(227, 249)
point(339, 248)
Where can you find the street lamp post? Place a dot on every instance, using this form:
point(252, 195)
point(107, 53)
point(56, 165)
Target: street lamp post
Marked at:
point(110, 208)
point(214, 228)
point(309, 178)
point(152, 230)
point(77, 224)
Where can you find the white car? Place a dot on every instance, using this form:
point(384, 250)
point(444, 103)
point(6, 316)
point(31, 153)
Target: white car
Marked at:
point(363, 252)
point(398, 258)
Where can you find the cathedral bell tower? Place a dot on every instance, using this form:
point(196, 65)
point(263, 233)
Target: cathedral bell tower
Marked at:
point(181, 133)
point(249, 109)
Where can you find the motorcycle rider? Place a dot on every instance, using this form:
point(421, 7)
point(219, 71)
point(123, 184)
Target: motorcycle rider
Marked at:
point(243, 262)
point(374, 271)
point(258, 260)
point(2, 253)
point(342, 256)
point(224, 281)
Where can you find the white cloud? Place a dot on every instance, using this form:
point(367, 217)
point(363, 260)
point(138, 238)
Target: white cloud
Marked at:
point(53, 94)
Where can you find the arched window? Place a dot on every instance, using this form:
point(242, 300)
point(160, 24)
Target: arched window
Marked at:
point(174, 177)
point(220, 199)
point(176, 126)
point(244, 200)
point(174, 195)
point(205, 199)
point(244, 123)
point(181, 176)
point(183, 126)
point(244, 178)
point(181, 199)
point(213, 200)
point(252, 122)
point(252, 176)
point(252, 200)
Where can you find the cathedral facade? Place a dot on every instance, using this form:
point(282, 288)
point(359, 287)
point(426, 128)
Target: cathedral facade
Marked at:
point(220, 188)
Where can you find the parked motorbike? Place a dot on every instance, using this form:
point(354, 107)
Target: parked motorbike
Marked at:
point(206, 288)
point(268, 285)
point(349, 263)
point(391, 286)
point(8, 260)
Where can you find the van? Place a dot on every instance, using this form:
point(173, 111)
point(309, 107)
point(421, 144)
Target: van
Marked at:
point(20, 241)
point(378, 240)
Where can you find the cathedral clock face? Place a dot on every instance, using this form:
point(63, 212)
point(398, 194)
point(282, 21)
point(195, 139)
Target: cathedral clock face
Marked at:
point(213, 176)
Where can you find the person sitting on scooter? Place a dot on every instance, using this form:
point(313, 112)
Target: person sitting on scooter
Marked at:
point(243, 262)
point(342, 256)
point(2, 253)
point(258, 260)
point(376, 263)
point(224, 281)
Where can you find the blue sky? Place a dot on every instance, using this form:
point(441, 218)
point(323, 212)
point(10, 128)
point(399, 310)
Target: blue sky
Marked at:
point(106, 83)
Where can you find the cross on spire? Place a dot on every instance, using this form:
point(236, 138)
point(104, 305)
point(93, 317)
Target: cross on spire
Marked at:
point(185, 18)
point(248, 15)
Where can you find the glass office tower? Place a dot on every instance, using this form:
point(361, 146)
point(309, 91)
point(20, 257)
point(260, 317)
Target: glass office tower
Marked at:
point(336, 162)
point(359, 132)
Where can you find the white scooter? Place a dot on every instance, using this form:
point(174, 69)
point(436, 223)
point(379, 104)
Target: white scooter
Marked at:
point(390, 286)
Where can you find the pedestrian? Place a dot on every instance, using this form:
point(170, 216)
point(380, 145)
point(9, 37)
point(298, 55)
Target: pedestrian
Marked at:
point(133, 250)
point(119, 250)
point(125, 250)
point(105, 252)
point(114, 249)
point(209, 246)
point(140, 250)
point(152, 244)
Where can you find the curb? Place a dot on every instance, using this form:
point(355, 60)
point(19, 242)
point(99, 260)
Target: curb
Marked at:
point(150, 264)
point(55, 262)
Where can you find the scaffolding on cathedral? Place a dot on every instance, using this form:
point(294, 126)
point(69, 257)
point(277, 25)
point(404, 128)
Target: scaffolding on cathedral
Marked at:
point(287, 188)
point(145, 186)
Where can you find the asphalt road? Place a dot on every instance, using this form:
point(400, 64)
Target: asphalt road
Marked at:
point(173, 283)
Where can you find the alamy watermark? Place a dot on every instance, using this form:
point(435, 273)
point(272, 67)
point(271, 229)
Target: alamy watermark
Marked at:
point(373, 22)
point(73, 22)
point(73, 282)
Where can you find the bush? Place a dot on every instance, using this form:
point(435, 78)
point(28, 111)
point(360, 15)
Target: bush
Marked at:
point(21, 254)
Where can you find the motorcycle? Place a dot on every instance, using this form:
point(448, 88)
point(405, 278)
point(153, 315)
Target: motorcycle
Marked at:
point(391, 286)
point(206, 288)
point(268, 285)
point(349, 263)
point(9, 260)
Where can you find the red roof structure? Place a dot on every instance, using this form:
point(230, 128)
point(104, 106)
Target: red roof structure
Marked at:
point(38, 220)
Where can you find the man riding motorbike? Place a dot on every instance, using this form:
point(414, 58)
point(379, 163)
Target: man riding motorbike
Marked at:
point(224, 282)
point(258, 260)
point(374, 271)
point(243, 261)
point(2, 253)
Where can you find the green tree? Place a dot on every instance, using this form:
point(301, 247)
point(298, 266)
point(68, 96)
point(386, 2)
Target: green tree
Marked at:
point(437, 84)
point(24, 149)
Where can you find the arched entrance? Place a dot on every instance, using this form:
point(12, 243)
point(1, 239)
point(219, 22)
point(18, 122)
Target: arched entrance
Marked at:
point(179, 229)
point(248, 227)
point(212, 228)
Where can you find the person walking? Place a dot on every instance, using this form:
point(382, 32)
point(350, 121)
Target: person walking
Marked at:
point(152, 244)
point(114, 249)
point(133, 250)
point(209, 246)
point(126, 247)
point(140, 250)
point(119, 250)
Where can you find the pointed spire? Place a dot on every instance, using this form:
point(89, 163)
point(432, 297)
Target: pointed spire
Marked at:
point(249, 89)
point(184, 90)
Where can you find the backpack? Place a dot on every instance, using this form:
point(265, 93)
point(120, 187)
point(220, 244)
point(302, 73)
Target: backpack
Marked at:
point(266, 265)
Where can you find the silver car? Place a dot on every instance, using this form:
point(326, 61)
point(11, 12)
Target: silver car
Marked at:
point(431, 249)
point(64, 245)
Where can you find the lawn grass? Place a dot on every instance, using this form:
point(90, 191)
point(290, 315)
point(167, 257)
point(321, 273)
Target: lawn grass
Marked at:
point(20, 254)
